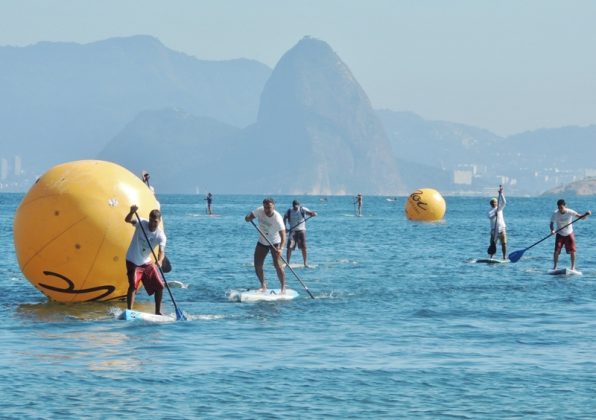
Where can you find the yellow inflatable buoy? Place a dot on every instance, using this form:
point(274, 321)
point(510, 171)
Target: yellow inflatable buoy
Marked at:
point(426, 205)
point(69, 231)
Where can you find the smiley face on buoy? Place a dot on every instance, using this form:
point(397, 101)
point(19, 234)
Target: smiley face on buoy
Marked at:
point(426, 205)
point(69, 231)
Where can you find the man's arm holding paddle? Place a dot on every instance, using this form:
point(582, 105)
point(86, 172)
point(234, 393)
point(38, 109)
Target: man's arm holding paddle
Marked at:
point(128, 218)
point(579, 217)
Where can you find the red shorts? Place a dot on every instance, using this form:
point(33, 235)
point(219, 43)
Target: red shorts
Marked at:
point(147, 273)
point(568, 241)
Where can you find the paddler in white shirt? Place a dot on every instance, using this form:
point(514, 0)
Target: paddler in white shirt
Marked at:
point(272, 225)
point(565, 236)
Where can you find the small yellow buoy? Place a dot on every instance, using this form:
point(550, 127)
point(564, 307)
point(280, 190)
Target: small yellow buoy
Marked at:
point(426, 205)
point(69, 231)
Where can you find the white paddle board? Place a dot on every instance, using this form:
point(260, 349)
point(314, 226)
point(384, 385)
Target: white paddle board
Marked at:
point(295, 266)
point(132, 315)
point(564, 272)
point(255, 295)
point(491, 261)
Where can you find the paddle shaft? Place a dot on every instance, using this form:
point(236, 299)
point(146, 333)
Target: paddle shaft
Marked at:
point(518, 254)
point(283, 259)
point(299, 223)
point(178, 312)
point(557, 231)
point(166, 261)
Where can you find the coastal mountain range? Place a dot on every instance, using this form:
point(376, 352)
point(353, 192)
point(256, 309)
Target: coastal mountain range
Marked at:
point(305, 127)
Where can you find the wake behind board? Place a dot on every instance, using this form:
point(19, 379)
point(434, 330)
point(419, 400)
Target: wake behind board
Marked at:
point(564, 272)
point(132, 315)
point(491, 261)
point(254, 295)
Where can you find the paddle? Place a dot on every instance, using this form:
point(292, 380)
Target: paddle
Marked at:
point(515, 256)
point(299, 223)
point(166, 266)
point(283, 259)
point(492, 248)
point(179, 314)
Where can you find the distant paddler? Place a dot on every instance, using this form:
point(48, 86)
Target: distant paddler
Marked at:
point(498, 229)
point(358, 201)
point(209, 200)
point(563, 219)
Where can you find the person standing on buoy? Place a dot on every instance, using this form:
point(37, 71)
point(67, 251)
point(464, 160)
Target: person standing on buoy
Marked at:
point(563, 218)
point(295, 217)
point(145, 177)
point(271, 224)
point(139, 266)
point(498, 229)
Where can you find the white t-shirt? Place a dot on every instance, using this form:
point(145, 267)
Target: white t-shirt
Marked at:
point(270, 226)
point(563, 219)
point(138, 251)
point(500, 220)
point(296, 218)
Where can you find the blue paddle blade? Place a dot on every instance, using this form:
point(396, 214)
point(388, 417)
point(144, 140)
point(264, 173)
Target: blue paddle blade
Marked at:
point(180, 315)
point(515, 256)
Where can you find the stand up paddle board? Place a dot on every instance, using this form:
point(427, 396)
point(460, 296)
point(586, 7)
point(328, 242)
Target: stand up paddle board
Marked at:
point(132, 315)
point(254, 295)
point(491, 261)
point(564, 272)
point(296, 266)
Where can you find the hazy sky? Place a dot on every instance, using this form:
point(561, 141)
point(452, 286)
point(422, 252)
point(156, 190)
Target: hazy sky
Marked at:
point(505, 65)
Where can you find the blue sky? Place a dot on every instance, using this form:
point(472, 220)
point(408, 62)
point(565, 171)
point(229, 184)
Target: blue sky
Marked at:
point(505, 65)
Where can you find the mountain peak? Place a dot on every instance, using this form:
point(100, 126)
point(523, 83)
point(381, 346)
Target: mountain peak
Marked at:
point(313, 100)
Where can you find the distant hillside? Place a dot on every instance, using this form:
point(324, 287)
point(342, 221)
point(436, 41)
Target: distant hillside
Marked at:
point(565, 147)
point(528, 163)
point(584, 187)
point(180, 150)
point(436, 143)
point(237, 126)
point(65, 101)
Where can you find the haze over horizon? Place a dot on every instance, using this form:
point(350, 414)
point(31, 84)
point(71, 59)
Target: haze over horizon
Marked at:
point(506, 66)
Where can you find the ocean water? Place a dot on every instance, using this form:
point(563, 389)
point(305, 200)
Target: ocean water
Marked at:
point(404, 323)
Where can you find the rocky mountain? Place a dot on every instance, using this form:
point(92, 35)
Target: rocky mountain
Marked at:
point(65, 101)
point(316, 129)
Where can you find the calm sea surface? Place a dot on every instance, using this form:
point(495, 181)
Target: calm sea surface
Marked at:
point(403, 324)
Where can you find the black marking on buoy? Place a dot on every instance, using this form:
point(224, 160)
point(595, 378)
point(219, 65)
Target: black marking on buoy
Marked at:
point(70, 289)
